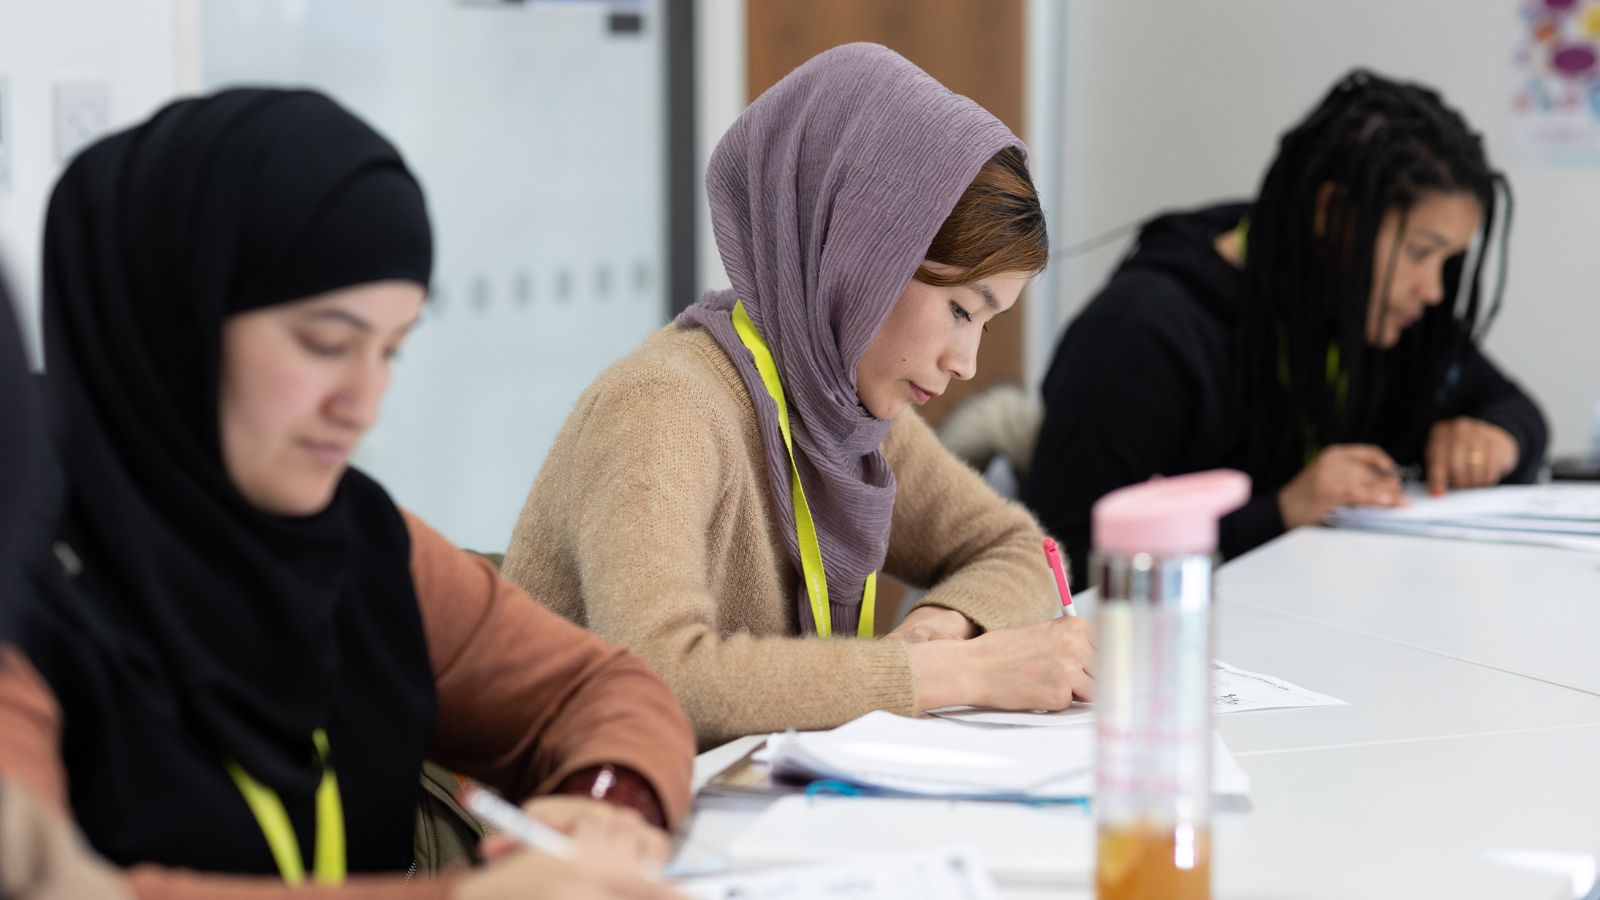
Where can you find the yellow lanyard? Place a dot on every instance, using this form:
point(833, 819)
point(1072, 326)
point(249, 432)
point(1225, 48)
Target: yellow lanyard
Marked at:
point(805, 528)
point(274, 821)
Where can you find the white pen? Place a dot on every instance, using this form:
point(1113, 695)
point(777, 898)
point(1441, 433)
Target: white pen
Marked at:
point(523, 828)
point(515, 823)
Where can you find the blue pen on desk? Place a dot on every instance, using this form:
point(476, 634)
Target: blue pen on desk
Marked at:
point(834, 789)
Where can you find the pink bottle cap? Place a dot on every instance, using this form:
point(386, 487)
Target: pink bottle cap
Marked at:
point(1168, 516)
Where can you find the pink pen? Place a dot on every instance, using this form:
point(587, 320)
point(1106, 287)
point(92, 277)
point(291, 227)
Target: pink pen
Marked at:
point(1052, 554)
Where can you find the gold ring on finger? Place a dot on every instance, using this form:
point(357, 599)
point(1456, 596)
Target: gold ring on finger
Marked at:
point(1476, 457)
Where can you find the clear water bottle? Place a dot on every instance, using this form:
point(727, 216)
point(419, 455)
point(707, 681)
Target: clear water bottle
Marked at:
point(1152, 564)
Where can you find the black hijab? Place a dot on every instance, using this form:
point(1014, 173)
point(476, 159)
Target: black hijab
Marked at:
point(21, 452)
point(190, 627)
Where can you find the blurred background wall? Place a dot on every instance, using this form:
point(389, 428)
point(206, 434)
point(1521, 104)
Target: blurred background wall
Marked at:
point(561, 143)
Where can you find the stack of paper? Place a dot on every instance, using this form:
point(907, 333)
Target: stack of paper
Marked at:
point(892, 754)
point(929, 756)
point(1557, 515)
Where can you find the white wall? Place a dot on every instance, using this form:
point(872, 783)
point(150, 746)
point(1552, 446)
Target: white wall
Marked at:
point(129, 44)
point(1178, 103)
point(721, 85)
point(1045, 86)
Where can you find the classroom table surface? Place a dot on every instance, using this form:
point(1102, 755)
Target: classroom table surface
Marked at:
point(1534, 611)
point(1453, 750)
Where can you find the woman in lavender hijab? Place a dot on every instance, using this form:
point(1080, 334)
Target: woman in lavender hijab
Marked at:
point(724, 496)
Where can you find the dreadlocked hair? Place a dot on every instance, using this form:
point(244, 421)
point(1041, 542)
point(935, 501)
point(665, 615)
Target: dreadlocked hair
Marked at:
point(1310, 379)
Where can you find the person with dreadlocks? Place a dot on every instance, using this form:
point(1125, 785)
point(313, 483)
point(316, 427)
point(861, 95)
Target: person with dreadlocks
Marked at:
point(1317, 338)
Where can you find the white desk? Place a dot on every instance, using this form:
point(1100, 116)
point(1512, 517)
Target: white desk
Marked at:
point(1439, 759)
point(1396, 693)
point(1413, 818)
point(1534, 611)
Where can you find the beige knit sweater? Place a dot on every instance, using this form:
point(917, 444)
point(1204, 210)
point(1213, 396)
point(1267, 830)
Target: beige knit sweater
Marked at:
point(651, 523)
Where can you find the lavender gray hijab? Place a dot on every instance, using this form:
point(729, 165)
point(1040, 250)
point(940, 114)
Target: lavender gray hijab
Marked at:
point(825, 195)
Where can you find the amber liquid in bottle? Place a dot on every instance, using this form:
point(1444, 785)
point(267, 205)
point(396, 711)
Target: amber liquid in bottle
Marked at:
point(1143, 862)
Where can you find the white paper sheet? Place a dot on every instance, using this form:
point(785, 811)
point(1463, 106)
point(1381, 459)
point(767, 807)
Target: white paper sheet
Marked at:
point(1232, 690)
point(1020, 843)
point(1077, 714)
point(1236, 690)
point(1556, 515)
point(947, 874)
point(1534, 503)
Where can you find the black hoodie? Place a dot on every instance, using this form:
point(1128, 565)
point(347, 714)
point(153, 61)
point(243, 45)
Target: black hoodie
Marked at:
point(1145, 382)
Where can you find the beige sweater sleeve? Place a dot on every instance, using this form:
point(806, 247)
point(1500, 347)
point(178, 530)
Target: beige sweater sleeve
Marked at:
point(642, 551)
point(980, 554)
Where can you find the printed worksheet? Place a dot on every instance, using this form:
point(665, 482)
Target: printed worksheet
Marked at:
point(1235, 690)
point(950, 874)
point(1232, 690)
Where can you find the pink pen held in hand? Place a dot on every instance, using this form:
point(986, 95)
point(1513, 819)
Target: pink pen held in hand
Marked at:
point(1052, 554)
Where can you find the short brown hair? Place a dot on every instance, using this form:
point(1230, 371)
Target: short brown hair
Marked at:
point(997, 226)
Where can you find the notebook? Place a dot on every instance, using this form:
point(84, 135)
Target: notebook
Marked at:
point(932, 756)
point(890, 754)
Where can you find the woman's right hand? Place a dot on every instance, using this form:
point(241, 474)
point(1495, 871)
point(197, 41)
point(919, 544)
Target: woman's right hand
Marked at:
point(603, 868)
point(1341, 475)
point(530, 875)
point(1042, 666)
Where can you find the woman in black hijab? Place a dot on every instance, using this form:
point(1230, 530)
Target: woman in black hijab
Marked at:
point(247, 640)
point(22, 453)
point(41, 856)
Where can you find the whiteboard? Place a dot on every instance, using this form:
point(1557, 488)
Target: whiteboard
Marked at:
point(539, 137)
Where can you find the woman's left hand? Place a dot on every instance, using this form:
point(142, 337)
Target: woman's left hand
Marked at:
point(631, 838)
point(933, 623)
point(1465, 452)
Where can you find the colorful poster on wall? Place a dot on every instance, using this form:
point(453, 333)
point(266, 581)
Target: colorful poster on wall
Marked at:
point(1555, 110)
